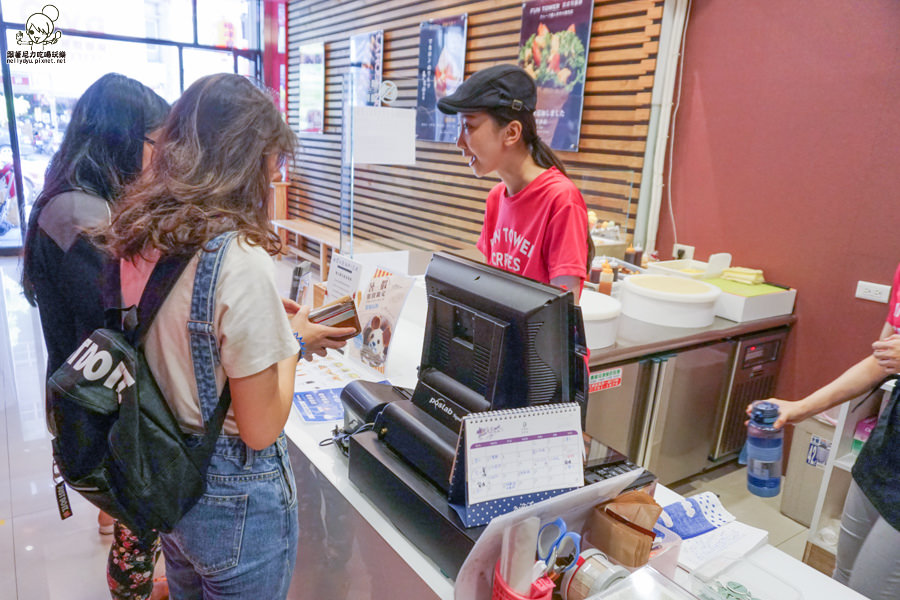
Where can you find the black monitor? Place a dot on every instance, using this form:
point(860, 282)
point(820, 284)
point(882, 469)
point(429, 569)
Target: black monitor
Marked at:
point(496, 340)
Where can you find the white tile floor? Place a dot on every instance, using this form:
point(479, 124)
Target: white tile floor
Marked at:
point(44, 558)
point(41, 557)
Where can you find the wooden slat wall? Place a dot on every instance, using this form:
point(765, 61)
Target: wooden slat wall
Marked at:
point(438, 204)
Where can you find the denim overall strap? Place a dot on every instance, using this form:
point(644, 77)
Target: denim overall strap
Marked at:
point(204, 346)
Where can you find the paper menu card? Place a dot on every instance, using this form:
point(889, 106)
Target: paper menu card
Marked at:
point(523, 451)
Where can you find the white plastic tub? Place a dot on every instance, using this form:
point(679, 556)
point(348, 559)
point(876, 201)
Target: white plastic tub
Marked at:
point(601, 318)
point(669, 301)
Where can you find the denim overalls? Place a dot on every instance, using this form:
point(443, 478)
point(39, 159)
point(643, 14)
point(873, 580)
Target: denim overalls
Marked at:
point(240, 540)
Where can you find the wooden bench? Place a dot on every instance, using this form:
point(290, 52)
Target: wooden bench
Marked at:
point(328, 239)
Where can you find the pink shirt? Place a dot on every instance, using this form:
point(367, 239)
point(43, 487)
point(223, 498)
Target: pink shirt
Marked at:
point(540, 232)
point(893, 317)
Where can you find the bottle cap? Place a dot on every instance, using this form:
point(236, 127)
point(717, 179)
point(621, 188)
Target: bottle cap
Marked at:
point(764, 413)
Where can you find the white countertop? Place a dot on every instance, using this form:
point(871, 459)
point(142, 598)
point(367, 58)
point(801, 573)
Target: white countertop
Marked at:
point(812, 584)
point(401, 370)
point(333, 465)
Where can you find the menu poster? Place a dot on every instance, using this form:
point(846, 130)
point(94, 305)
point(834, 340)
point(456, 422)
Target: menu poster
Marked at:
point(379, 313)
point(442, 58)
point(553, 48)
point(311, 106)
point(366, 52)
point(318, 385)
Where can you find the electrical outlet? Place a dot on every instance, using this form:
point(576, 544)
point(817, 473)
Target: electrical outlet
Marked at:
point(687, 252)
point(873, 291)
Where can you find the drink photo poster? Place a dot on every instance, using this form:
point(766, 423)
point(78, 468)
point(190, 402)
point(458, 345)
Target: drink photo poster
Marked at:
point(366, 56)
point(442, 60)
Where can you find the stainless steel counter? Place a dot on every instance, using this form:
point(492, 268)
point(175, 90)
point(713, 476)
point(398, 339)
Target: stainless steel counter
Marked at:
point(636, 339)
point(672, 399)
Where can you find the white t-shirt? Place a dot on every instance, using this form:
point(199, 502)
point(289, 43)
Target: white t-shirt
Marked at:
point(249, 321)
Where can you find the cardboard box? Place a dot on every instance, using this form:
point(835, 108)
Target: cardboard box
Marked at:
point(320, 290)
point(741, 302)
point(806, 466)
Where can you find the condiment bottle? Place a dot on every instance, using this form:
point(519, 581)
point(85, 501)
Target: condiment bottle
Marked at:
point(604, 286)
point(638, 254)
point(630, 256)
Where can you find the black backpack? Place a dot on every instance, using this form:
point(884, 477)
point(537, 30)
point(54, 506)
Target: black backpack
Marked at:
point(117, 442)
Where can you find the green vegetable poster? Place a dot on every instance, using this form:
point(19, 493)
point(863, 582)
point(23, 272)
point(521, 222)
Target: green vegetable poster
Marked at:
point(553, 48)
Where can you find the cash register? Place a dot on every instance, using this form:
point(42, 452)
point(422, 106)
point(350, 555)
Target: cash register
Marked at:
point(493, 340)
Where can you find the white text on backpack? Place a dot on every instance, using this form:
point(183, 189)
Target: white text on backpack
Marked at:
point(94, 365)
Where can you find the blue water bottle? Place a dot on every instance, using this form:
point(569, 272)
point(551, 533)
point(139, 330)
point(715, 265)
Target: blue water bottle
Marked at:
point(764, 444)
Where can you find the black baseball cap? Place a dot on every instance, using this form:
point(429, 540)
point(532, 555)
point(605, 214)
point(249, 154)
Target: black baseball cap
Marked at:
point(493, 87)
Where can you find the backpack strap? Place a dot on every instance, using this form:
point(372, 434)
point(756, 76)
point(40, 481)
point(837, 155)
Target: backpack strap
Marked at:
point(135, 321)
point(204, 345)
point(162, 280)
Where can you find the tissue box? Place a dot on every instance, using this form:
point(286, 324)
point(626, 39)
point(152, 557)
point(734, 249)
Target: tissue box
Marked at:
point(741, 302)
point(861, 436)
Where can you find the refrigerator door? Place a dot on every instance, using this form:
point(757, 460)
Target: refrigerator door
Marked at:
point(682, 415)
point(616, 402)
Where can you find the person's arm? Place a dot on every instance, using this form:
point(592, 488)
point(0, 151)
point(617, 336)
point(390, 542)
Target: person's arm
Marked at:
point(887, 350)
point(259, 422)
point(569, 282)
point(857, 380)
point(262, 402)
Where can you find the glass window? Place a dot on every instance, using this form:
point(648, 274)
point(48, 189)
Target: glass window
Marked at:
point(160, 19)
point(227, 23)
point(44, 95)
point(10, 219)
point(88, 58)
point(198, 63)
point(246, 67)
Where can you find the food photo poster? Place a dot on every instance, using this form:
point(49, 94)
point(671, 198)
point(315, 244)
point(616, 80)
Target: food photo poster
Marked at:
point(553, 48)
point(311, 106)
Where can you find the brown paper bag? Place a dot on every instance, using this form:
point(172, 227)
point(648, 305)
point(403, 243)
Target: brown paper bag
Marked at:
point(623, 527)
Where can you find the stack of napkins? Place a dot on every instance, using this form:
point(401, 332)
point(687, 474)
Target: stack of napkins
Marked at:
point(708, 530)
point(743, 275)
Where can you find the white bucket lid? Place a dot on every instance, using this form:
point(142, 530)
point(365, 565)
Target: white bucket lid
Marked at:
point(672, 289)
point(598, 307)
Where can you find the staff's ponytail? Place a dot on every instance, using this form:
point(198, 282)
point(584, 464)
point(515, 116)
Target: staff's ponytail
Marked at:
point(543, 155)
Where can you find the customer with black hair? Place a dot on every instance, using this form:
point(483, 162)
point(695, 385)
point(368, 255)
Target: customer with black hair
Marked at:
point(109, 138)
point(535, 221)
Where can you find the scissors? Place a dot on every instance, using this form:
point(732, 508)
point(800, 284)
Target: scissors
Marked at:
point(558, 547)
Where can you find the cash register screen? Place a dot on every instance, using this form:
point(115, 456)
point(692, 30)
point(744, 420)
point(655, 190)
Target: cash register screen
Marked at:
point(496, 340)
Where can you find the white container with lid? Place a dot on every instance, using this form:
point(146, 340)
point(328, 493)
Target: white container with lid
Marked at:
point(669, 301)
point(601, 318)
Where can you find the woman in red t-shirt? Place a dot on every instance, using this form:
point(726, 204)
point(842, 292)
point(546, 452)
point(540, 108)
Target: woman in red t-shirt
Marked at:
point(535, 221)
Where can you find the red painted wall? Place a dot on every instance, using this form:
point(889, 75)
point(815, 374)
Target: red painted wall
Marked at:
point(787, 155)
